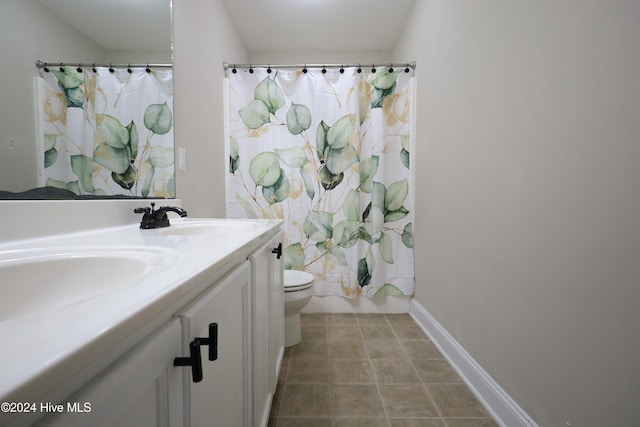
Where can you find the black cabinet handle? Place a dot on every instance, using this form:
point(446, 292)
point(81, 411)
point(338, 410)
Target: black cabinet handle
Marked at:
point(195, 357)
point(277, 250)
point(211, 341)
point(194, 360)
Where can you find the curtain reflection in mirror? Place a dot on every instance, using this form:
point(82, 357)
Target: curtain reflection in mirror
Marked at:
point(106, 131)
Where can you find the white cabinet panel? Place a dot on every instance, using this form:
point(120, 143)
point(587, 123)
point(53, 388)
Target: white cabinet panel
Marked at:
point(223, 397)
point(276, 343)
point(140, 389)
point(268, 325)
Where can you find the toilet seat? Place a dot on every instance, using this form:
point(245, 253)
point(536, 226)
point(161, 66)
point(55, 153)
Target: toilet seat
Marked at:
point(296, 280)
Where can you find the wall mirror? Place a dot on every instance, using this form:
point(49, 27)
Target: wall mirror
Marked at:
point(69, 31)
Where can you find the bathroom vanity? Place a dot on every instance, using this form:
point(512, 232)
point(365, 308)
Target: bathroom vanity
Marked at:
point(177, 326)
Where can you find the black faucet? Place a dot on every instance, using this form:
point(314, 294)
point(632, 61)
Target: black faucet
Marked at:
point(152, 218)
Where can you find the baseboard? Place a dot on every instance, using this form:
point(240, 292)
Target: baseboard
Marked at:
point(500, 405)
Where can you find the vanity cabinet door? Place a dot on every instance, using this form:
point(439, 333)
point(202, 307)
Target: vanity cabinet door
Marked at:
point(142, 388)
point(223, 397)
point(268, 325)
point(276, 307)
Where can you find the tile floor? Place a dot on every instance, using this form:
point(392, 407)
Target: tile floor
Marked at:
point(370, 370)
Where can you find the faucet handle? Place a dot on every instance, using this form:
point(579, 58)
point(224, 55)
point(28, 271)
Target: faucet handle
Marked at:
point(148, 217)
point(145, 210)
point(153, 218)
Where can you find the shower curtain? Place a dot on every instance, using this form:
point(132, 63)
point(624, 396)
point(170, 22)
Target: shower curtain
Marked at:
point(327, 151)
point(106, 131)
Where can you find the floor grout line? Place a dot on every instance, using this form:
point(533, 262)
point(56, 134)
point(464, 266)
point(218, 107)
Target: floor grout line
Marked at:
point(375, 378)
point(366, 333)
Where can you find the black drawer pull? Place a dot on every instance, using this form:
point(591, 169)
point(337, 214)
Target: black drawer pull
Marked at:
point(211, 341)
point(195, 357)
point(194, 360)
point(277, 250)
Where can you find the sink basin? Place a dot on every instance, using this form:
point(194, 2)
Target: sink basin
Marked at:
point(33, 280)
point(207, 227)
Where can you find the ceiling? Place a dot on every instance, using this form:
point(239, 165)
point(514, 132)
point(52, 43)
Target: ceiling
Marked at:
point(319, 24)
point(262, 24)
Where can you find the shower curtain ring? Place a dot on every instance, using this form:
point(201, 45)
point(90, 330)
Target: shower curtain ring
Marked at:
point(111, 70)
point(324, 70)
point(304, 70)
point(373, 68)
point(61, 67)
point(79, 69)
point(269, 69)
point(250, 69)
point(45, 68)
point(342, 69)
point(391, 68)
point(359, 68)
point(148, 70)
point(93, 68)
point(129, 69)
point(233, 70)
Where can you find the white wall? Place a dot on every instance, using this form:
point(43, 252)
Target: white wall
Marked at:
point(527, 226)
point(28, 32)
point(311, 56)
point(139, 56)
point(204, 38)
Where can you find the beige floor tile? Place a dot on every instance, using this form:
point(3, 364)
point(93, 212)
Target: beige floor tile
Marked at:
point(395, 371)
point(277, 399)
point(341, 319)
point(400, 319)
point(456, 400)
point(355, 370)
point(408, 400)
point(348, 349)
point(287, 352)
point(346, 371)
point(313, 332)
point(284, 367)
point(471, 422)
point(359, 422)
point(421, 349)
point(310, 350)
point(356, 400)
point(409, 332)
point(416, 422)
point(308, 371)
point(313, 319)
point(343, 332)
point(385, 349)
point(304, 422)
point(371, 319)
point(308, 400)
point(436, 371)
point(377, 332)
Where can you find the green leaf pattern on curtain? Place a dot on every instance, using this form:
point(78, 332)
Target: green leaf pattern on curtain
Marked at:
point(330, 154)
point(107, 133)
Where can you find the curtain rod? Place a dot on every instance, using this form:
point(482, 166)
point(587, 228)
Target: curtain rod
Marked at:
point(411, 65)
point(40, 64)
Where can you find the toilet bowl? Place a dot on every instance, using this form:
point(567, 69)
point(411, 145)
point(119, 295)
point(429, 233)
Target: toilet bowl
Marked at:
point(298, 289)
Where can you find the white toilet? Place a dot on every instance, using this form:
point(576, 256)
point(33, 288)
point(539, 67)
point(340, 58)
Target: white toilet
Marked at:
point(298, 289)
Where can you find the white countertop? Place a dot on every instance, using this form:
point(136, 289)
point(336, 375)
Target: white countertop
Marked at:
point(46, 355)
